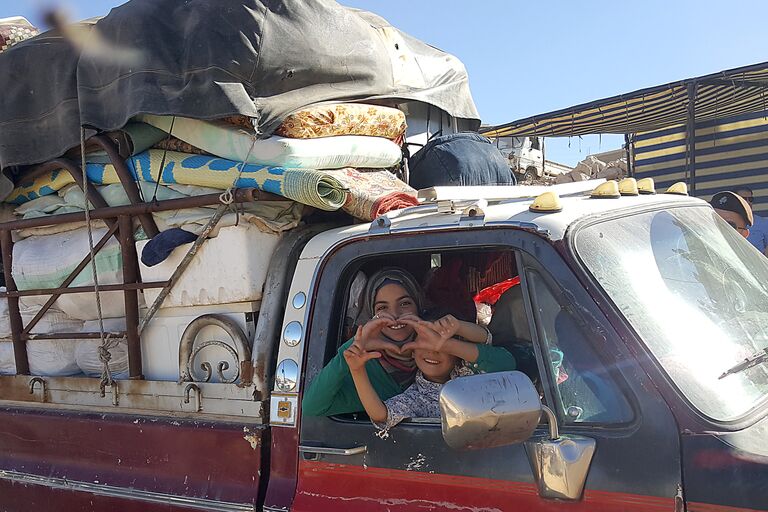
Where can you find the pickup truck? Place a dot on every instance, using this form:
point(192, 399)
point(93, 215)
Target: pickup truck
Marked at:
point(525, 156)
point(645, 312)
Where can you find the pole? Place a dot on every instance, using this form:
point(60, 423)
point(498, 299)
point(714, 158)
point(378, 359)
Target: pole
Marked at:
point(690, 130)
point(17, 325)
point(130, 276)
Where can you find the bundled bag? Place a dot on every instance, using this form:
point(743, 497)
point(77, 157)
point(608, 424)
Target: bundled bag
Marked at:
point(45, 261)
point(52, 321)
point(465, 159)
point(46, 357)
point(50, 358)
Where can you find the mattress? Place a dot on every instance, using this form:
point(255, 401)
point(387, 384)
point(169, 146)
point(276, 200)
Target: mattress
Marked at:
point(345, 119)
point(235, 143)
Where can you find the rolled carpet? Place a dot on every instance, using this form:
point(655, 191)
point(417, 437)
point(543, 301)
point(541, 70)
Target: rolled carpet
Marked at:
point(372, 192)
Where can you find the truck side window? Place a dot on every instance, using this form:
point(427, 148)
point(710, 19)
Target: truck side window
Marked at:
point(535, 143)
point(584, 390)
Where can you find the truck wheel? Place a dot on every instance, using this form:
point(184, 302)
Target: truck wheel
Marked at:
point(529, 175)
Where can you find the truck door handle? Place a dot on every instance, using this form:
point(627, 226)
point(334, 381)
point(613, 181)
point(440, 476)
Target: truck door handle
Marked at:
point(323, 450)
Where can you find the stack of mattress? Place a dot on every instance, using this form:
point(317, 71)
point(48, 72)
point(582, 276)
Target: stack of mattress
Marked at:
point(328, 157)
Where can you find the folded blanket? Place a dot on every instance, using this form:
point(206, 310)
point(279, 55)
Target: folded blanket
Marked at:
point(15, 30)
point(373, 192)
point(344, 119)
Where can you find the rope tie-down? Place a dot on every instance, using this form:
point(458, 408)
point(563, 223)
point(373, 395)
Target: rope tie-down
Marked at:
point(109, 342)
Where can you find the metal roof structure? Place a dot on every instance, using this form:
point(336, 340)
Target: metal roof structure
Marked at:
point(718, 95)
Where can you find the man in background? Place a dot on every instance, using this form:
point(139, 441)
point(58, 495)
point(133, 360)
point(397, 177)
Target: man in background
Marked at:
point(758, 233)
point(734, 210)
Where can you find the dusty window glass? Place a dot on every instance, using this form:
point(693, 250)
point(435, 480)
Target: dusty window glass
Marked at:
point(696, 292)
point(585, 392)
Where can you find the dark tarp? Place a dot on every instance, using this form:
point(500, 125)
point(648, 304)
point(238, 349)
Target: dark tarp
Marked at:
point(716, 96)
point(208, 59)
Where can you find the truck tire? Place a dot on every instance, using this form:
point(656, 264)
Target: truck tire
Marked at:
point(530, 175)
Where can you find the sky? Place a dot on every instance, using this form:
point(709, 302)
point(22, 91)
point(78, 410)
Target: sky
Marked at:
point(527, 58)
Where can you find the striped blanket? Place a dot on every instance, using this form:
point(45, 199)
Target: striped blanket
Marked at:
point(311, 187)
point(363, 194)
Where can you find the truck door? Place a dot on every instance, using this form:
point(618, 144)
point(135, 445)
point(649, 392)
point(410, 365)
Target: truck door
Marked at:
point(586, 375)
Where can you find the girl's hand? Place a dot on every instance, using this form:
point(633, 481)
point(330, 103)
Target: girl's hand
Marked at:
point(369, 337)
point(356, 356)
point(447, 326)
point(427, 337)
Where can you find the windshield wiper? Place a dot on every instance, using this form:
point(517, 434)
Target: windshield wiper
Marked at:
point(749, 362)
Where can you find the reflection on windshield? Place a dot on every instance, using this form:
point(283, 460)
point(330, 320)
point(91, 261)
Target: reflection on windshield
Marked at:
point(695, 291)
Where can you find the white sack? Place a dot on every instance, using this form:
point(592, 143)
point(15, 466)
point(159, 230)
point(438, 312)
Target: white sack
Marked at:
point(53, 320)
point(49, 358)
point(45, 261)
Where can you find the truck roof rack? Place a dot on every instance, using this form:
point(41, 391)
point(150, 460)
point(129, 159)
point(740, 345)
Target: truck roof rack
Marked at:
point(500, 193)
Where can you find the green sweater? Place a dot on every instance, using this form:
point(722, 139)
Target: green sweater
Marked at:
point(333, 391)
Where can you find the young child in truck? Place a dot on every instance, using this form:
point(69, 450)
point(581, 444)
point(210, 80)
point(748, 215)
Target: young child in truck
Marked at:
point(439, 357)
point(390, 294)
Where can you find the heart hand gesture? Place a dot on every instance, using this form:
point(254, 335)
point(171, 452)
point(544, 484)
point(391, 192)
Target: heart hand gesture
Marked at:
point(427, 337)
point(356, 356)
point(447, 326)
point(369, 336)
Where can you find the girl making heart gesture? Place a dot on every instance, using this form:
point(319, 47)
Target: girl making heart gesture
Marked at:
point(384, 347)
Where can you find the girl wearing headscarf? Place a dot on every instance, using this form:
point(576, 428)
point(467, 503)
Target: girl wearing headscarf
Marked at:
point(393, 302)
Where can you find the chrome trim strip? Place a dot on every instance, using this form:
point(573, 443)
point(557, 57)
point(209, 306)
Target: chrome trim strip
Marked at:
point(323, 450)
point(121, 492)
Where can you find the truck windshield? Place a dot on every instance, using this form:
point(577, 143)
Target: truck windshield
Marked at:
point(696, 292)
point(510, 142)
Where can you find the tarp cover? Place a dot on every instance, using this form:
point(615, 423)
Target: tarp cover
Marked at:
point(207, 59)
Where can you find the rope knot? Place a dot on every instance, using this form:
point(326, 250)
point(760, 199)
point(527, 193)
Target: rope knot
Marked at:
point(227, 197)
point(104, 355)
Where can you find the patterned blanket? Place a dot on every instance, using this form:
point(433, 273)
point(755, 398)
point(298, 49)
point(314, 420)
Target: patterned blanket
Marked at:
point(238, 144)
point(344, 119)
point(308, 186)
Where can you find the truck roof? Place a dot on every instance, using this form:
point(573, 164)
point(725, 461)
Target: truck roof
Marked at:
point(452, 207)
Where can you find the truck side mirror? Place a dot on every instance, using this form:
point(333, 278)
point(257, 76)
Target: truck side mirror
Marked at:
point(490, 409)
point(496, 409)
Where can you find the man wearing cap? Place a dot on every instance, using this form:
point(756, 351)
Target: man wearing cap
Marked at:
point(758, 233)
point(734, 210)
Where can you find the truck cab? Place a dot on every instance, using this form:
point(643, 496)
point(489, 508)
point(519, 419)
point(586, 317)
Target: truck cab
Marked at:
point(636, 312)
point(524, 154)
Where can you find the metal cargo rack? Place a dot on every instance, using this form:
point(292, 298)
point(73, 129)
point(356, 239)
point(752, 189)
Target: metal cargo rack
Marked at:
point(120, 222)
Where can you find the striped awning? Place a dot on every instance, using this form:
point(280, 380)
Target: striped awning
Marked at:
point(724, 94)
point(731, 153)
